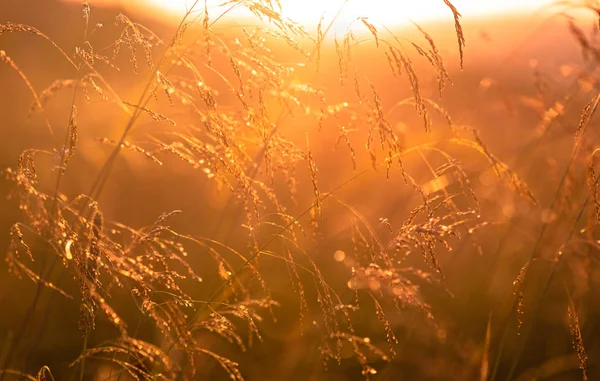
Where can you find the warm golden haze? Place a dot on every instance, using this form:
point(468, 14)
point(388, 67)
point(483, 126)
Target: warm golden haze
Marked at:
point(391, 13)
point(185, 196)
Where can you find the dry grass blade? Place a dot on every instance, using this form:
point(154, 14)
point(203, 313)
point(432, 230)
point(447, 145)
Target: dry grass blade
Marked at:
point(313, 175)
point(45, 374)
point(434, 58)
point(575, 330)
point(134, 35)
point(404, 64)
point(69, 149)
point(592, 183)
point(50, 91)
point(23, 28)
point(372, 29)
point(459, 31)
point(156, 116)
point(17, 373)
point(518, 292)
point(501, 169)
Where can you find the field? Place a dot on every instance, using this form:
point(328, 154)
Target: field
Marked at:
point(213, 198)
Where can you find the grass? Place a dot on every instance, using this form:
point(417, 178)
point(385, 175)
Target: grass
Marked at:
point(258, 202)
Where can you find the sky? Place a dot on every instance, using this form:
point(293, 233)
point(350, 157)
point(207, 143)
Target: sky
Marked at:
point(387, 12)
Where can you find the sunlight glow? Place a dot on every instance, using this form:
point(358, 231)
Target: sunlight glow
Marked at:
point(386, 12)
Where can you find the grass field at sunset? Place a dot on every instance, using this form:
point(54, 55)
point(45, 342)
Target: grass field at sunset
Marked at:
point(286, 190)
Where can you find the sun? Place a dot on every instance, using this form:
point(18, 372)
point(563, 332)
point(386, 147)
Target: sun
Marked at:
point(382, 12)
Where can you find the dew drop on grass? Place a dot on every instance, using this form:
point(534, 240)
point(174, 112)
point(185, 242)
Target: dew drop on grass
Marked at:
point(68, 253)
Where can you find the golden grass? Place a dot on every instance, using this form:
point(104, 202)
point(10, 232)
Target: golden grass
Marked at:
point(159, 302)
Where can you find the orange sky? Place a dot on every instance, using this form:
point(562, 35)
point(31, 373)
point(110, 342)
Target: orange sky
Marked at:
point(384, 11)
point(387, 12)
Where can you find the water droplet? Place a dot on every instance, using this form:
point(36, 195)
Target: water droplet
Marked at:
point(339, 256)
point(68, 253)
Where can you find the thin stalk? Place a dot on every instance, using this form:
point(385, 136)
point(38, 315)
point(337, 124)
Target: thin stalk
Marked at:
point(216, 293)
point(584, 124)
point(40, 286)
point(143, 100)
